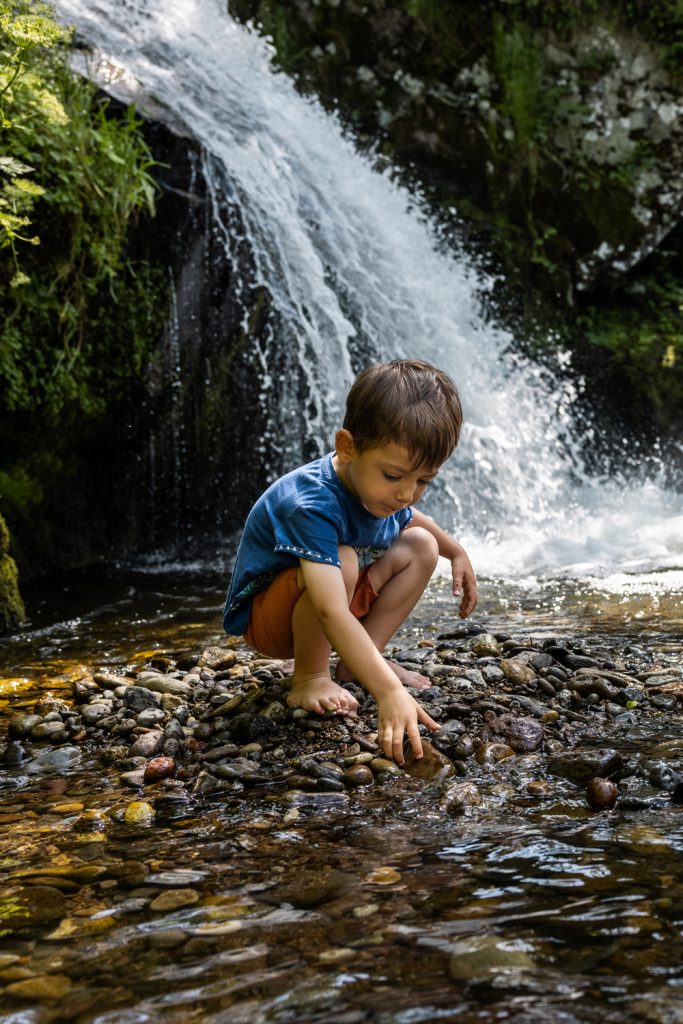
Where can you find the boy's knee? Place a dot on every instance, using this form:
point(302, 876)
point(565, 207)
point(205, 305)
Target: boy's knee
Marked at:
point(424, 546)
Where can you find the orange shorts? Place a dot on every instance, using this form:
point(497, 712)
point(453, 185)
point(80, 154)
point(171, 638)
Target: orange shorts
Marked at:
point(270, 625)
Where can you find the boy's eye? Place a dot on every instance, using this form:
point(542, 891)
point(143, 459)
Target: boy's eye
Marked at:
point(388, 476)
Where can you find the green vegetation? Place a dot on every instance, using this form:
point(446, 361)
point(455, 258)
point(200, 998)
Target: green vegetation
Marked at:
point(77, 319)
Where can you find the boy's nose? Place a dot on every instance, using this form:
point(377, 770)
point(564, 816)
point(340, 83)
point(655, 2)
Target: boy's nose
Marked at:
point(405, 494)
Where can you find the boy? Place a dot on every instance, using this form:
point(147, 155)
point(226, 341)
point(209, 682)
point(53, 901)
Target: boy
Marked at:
point(334, 556)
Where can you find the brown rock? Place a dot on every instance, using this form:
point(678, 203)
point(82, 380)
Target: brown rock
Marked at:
point(517, 673)
point(359, 775)
point(159, 768)
point(491, 753)
point(601, 794)
point(432, 767)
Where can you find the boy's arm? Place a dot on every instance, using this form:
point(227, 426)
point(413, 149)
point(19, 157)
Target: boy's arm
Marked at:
point(397, 711)
point(464, 580)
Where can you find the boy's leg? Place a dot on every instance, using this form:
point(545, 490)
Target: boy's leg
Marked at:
point(312, 687)
point(399, 577)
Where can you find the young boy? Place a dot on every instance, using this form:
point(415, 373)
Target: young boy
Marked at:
point(333, 555)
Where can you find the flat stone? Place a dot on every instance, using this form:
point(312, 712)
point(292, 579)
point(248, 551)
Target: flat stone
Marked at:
point(36, 906)
point(174, 899)
point(432, 767)
point(138, 698)
point(147, 745)
point(217, 658)
point(159, 683)
point(580, 766)
point(42, 986)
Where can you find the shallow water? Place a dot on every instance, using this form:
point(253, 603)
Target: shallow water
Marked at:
point(321, 907)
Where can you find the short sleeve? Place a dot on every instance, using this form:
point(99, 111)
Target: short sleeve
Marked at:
point(309, 533)
point(404, 517)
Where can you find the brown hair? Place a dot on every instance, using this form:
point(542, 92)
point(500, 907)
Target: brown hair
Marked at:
point(408, 402)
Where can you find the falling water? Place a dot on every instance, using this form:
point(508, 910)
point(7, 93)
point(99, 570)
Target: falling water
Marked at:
point(353, 270)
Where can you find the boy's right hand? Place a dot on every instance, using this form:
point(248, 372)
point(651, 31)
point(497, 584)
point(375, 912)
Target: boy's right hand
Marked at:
point(399, 713)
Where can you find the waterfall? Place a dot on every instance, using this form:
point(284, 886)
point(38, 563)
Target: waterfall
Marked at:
point(353, 270)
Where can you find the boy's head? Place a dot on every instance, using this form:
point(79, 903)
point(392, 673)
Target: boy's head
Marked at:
point(407, 402)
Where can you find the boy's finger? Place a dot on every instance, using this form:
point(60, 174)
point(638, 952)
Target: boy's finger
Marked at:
point(415, 740)
point(397, 747)
point(425, 719)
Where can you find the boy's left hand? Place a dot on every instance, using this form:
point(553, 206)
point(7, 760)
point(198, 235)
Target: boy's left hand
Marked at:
point(464, 583)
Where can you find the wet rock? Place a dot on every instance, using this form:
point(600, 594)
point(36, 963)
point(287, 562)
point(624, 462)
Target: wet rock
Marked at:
point(601, 794)
point(541, 789)
point(58, 760)
point(159, 768)
point(492, 753)
point(174, 899)
point(34, 907)
point(432, 767)
point(359, 775)
point(50, 732)
point(21, 725)
point(14, 753)
point(523, 734)
point(481, 955)
point(459, 797)
point(148, 744)
point(42, 986)
point(464, 748)
point(580, 766)
point(138, 813)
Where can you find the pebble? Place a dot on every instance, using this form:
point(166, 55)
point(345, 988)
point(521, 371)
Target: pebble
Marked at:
point(148, 744)
point(159, 768)
point(42, 986)
point(138, 813)
point(174, 899)
point(601, 794)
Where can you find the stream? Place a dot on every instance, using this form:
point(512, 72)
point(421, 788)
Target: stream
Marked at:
point(378, 906)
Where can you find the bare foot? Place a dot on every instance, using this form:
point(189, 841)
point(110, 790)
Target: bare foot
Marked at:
point(408, 678)
point(321, 694)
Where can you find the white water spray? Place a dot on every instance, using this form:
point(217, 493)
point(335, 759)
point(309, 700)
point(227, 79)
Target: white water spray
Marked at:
point(347, 259)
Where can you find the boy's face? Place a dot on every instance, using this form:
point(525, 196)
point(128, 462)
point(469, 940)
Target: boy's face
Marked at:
point(383, 478)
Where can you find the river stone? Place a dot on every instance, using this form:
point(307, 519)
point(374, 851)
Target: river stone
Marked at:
point(21, 725)
point(36, 906)
point(217, 658)
point(180, 878)
point(109, 680)
point(147, 745)
point(359, 775)
point(382, 764)
point(481, 955)
point(459, 797)
point(134, 779)
point(485, 645)
point(524, 734)
point(59, 760)
point(159, 768)
point(150, 717)
point(138, 813)
point(92, 713)
point(492, 753)
point(601, 794)
point(138, 698)
point(516, 672)
point(53, 732)
point(43, 986)
point(580, 766)
point(432, 767)
point(174, 899)
point(159, 683)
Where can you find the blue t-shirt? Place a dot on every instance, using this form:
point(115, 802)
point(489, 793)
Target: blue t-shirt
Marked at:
point(306, 514)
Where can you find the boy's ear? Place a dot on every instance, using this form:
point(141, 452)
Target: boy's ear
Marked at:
point(344, 446)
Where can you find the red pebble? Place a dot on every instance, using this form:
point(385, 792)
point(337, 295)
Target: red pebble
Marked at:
point(159, 768)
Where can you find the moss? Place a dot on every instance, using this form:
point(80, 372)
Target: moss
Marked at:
point(12, 611)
